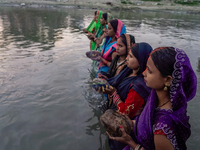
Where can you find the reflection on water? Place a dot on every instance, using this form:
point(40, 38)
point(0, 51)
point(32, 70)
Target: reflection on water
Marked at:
point(46, 96)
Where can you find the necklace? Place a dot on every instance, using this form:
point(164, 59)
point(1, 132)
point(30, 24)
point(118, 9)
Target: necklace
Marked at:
point(164, 103)
point(121, 62)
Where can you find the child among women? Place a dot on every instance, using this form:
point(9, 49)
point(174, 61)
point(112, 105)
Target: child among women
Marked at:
point(164, 124)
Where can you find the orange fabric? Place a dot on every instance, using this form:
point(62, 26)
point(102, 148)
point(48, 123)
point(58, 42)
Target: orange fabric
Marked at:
point(132, 104)
point(160, 132)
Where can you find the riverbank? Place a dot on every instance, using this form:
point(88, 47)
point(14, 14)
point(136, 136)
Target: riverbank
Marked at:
point(83, 4)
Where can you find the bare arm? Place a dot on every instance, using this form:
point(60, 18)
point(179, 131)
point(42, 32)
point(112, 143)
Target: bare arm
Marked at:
point(99, 40)
point(85, 31)
point(162, 142)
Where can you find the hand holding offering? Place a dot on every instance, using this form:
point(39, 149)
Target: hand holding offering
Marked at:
point(94, 55)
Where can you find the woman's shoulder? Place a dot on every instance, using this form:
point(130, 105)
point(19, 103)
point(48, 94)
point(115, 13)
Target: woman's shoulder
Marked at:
point(164, 125)
point(163, 119)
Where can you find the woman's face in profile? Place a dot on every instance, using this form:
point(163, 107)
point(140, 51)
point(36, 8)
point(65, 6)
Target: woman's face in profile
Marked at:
point(110, 31)
point(132, 61)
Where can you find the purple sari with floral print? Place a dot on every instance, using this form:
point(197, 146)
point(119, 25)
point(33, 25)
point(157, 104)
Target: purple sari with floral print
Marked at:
point(173, 122)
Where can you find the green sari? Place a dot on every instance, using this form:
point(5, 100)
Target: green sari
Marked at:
point(100, 33)
point(96, 29)
point(91, 26)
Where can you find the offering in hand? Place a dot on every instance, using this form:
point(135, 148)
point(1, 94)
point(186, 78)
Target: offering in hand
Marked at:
point(100, 85)
point(112, 120)
point(94, 55)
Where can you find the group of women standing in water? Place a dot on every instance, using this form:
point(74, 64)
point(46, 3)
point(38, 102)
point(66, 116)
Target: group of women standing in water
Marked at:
point(151, 87)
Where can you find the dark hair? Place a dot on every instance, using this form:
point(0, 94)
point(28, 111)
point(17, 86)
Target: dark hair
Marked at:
point(114, 24)
point(164, 59)
point(105, 15)
point(95, 12)
point(135, 50)
point(123, 38)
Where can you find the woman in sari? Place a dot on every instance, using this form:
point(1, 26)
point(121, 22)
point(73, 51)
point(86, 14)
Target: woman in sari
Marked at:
point(115, 29)
point(98, 39)
point(130, 91)
point(124, 44)
point(91, 25)
point(95, 28)
point(164, 124)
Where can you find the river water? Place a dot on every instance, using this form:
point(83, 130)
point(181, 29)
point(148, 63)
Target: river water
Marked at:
point(46, 102)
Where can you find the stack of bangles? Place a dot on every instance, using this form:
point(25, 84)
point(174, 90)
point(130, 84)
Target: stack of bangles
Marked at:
point(115, 97)
point(139, 147)
point(105, 62)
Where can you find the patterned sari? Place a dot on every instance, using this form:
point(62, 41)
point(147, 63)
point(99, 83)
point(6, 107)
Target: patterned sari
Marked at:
point(123, 83)
point(173, 122)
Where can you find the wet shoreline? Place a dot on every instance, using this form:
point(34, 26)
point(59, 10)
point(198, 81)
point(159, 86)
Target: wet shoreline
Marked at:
point(143, 6)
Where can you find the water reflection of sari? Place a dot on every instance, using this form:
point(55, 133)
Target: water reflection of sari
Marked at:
point(109, 48)
point(173, 122)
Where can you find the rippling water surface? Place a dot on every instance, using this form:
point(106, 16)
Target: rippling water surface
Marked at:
point(46, 102)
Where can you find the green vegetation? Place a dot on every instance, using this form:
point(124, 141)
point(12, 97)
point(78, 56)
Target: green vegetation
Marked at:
point(152, 0)
point(188, 3)
point(126, 2)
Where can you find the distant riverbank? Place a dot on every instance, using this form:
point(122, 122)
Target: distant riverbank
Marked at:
point(84, 4)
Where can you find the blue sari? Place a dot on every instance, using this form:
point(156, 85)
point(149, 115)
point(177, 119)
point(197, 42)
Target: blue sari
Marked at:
point(123, 83)
point(108, 47)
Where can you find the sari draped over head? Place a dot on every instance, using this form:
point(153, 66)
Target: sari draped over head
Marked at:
point(98, 17)
point(173, 122)
point(91, 26)
point(113, 66)
point(123, 83)
point(99, 33)
point(108, 47)
point(96, 27)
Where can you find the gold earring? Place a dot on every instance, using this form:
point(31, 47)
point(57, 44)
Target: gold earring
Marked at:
point(138, 69)
point(165, 88)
